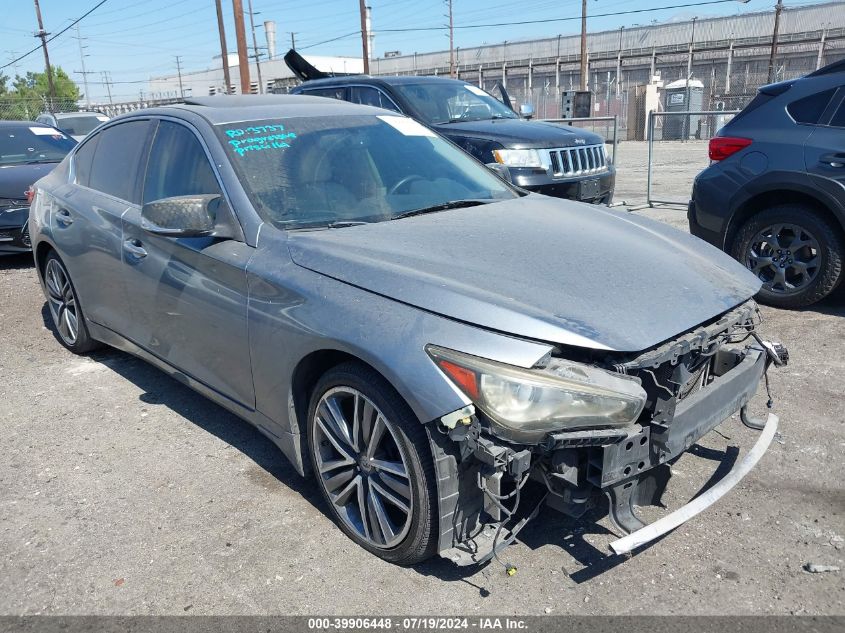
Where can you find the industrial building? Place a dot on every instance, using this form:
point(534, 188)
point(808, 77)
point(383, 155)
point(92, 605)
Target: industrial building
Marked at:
point(728, 55)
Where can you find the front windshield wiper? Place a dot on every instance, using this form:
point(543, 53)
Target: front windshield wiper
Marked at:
point(443, 206)
point(337, 224)
point(37, 161)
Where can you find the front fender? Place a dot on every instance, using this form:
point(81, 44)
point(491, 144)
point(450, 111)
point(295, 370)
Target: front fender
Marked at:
point(294, 312)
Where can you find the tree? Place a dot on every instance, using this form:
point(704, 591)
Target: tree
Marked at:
point(29, 94)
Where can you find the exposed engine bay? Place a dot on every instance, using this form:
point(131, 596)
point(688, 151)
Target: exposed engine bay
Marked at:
point(692, 384)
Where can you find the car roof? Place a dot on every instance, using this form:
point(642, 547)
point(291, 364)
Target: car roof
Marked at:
point(389, 80)
point(23, 123)
point(59, 115)
point(233, 108)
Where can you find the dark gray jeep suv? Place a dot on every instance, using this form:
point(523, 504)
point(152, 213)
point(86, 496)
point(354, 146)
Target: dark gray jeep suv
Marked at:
point(543, 157)
point(774, 195)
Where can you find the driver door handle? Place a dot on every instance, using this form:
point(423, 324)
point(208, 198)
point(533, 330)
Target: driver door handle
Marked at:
point(134, 248)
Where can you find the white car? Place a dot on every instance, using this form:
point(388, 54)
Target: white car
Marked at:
point(74, 124)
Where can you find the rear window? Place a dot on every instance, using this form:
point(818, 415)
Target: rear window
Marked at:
point(810, 109)
point(82, 124)
point(21, 144)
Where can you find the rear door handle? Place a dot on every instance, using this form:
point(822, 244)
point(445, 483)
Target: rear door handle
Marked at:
point(134, 248)
point(834, 160)
point(63, 217)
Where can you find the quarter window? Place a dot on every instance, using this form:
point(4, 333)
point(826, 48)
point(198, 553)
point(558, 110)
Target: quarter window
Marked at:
point(117, 159)
point(365, 95)
point(178, 165)
point(810, 109)
point(336, 92)
point(82, 160)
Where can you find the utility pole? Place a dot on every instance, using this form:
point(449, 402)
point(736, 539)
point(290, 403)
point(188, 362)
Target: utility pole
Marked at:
point(778, 9)
point(179, 72)
point(583, 44)
point(223, 51)
point(371, 36)
point(84, 72)
point(255, 47)
point(42, 34)
point(451, 41)
point(240, 34)
point(364, 37)
point(689, 76)
point(619, 65)
point(107, 83)
point(293, 40)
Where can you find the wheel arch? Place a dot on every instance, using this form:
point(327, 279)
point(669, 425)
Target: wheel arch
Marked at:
point(304, 378)
point(778, 197)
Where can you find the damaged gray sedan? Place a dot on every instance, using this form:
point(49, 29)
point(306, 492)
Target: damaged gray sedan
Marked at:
point(413, 332)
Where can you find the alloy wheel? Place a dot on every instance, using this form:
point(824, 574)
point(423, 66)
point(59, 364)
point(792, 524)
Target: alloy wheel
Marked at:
point(362, 468)
point(785, 257)
point(62, 301)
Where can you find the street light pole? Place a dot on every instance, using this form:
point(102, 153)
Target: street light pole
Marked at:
point(255, 47)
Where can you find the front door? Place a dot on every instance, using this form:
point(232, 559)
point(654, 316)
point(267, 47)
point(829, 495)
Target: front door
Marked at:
point(188, 295)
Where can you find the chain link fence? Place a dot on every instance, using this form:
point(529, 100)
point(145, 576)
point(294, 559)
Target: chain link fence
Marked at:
point(28, 109)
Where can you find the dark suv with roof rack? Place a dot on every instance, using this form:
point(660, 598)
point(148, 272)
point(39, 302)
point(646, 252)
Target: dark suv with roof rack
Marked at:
point(774, 195)
point(547, 158)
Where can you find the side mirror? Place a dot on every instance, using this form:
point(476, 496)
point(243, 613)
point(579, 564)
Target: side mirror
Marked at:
point(181, 216)
point(526, 110)
point(501, 171)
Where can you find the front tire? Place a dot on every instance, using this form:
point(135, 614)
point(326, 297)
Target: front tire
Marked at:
point(372, 462)
point(68, 320)
point(795, 253)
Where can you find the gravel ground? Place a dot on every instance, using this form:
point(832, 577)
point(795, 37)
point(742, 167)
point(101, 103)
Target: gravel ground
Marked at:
point(123, 492)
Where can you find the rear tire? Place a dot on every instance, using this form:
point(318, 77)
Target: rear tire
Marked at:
point(368, 450)
point(68, 320)
point(795, 253)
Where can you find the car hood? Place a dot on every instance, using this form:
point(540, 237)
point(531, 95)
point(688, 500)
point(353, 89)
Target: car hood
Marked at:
point(538, 267)
point(519, 133)
point(16, 179)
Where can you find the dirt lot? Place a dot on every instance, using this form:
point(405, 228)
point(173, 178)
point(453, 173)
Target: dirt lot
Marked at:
point(123, 492)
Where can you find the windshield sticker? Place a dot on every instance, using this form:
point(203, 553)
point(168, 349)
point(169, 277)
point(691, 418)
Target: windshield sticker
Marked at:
point(259, 138)
point(46, 131)
point(407, 126)
point(476, 90)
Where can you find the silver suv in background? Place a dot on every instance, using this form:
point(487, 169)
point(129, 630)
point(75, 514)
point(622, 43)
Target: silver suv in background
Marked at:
point(74, 124)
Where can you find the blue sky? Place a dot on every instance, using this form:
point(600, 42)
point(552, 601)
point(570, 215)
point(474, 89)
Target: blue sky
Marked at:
point(135, 40)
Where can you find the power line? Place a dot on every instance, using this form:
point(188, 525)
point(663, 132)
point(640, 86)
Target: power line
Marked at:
point(50, 39)
point(567, 19)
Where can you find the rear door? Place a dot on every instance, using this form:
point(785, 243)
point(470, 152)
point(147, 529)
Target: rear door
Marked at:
point(824, 150)
point(188, 295)
point(86, 218)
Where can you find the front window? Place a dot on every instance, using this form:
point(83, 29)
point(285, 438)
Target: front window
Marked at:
point(450, 102)
point(80, 125)
point(318, 171)
point(22, 144)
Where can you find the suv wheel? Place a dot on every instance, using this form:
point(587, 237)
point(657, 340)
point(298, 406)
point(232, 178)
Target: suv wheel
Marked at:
point(65, 310)
point(371, 459)
point(794, 252)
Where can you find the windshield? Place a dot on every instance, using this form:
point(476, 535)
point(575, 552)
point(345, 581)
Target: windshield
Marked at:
point(20, 144)
point(313, 171)
point(80, 125)
point(448, 102)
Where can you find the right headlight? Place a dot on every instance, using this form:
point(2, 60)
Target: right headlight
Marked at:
point(528, 403)
point(518, 157)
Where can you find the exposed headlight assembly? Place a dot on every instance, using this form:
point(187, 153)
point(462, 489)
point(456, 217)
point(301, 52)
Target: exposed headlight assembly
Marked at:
point(518, 157)
point(526, 404)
